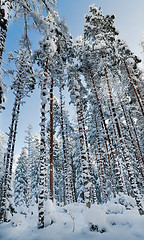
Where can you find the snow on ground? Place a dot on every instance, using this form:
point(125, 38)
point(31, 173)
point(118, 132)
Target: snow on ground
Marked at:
point(116, 220)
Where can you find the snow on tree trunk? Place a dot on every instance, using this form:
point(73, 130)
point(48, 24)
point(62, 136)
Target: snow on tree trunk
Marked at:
point(136, 137)
point(107, 133)
point(100, 161)
point(109, 161)
point(141, 95)
point(126, 153)
point(42, 151)
point(64, 149)
point(72, 196)
point(138, 160)
point(29, 164)
point(135, 91)
point(5, 9)
point(85, 165)
point(51, 141)
point(14, 139)
point(120, 153)
point(8, 167)
point(86, 144)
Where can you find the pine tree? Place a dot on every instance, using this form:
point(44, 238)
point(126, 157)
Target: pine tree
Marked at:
point(28, 141)
point(35, 154)
point(23, 83)
point(21, 180)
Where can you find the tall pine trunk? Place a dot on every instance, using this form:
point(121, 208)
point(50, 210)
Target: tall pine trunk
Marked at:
point(5, 10)
point(134, 88)
point(109, 161)
point(9, 154)
point(71, 187)
point(107, 134)
point(136, 137)
point(51, 141)
point(138, 160)
point(93, 192)
point(64, 148)
point(41, 197)
point(126, 153)
point(100, 161)
point(85, 165)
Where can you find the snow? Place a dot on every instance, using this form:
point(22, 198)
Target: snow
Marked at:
point(109, 221)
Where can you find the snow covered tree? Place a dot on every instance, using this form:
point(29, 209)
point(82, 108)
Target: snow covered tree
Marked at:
point(35, 155)
point(23, 83)
point(2, 160)
point(21, 180)
point(5, 8)
point(99, 63)
point(28, 141)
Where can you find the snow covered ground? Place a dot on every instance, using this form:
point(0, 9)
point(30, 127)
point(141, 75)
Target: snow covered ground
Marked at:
point(116, 220)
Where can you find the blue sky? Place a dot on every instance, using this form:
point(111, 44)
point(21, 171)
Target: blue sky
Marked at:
point(129, 21)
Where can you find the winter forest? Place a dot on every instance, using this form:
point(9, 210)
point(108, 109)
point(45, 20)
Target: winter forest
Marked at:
point(80, 177)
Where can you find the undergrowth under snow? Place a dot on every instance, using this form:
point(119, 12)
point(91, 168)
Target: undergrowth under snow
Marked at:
point(117, 220)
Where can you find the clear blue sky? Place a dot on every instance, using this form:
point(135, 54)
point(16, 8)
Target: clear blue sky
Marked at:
point(129, 21)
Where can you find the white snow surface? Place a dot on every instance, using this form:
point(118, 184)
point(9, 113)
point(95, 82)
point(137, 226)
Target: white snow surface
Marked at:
point(114, 221)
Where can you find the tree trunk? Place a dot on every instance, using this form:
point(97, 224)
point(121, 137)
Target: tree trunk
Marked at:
point(85, 165)
point(8, 167)
point(120, 153)
point(135, 91)
point(4, 20)
point(102, 175)
point(64, 149)
point(126, 153)
point(141, 96)
point(71, 188)
point(133, 145)
point(51, 141)
point(136, 137)
point(109, 161)
point(86, 144)
point(42, 151)
point(107, 133)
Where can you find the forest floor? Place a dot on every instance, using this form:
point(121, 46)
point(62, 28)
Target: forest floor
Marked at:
point(116, 220)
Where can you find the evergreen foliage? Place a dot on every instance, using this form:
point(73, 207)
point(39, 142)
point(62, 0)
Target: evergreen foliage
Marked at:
point(99, 154)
